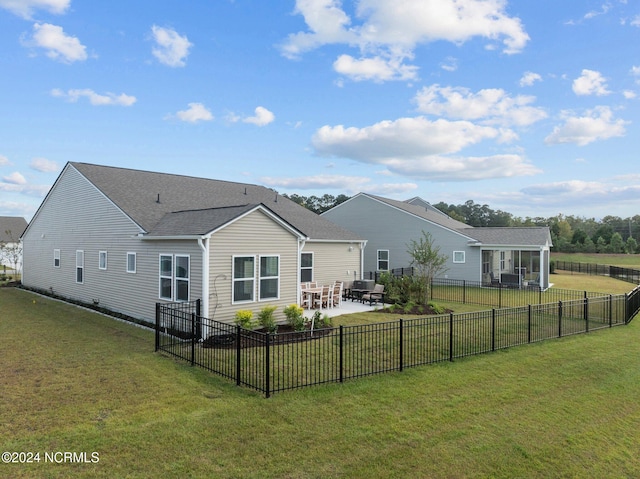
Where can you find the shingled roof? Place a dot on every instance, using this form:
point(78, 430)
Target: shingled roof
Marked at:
point(170, 204)
point(11, 228)
point(486, 236)
point(510, 235)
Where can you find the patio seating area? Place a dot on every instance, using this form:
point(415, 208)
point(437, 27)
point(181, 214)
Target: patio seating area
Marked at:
point(340, 297)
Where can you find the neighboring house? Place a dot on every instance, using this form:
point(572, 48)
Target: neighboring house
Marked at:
point(11, 228)
point(509, 255)
point(126, 239)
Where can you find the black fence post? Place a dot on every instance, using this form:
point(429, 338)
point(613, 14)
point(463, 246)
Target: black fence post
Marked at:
point(450, 336)
point(529, 325)
point(157, 326)
point(238, 355)
point(193, 338)
point(559, 319)
point(341, 361)
point(401, 346)
point(586, 313)
point(500, 295)
point(267, 367)
point(493, 329)
point(464, 291)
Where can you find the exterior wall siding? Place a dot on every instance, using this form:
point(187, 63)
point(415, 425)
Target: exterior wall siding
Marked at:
point(334, 261)
point(76, 216)
point(253, 235)
point(387, 228)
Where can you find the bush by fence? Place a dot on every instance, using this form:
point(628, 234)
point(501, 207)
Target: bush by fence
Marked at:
point(276, 362)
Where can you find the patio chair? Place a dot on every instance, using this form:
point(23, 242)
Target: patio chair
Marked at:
point(324, 299)
point(374, 296)
point(337, 294)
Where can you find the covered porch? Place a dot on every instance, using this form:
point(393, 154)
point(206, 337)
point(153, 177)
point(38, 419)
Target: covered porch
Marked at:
point(515, 268)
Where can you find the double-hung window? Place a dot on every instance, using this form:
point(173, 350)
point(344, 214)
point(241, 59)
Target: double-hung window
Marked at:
point(79, 266)
point(244, 277)
point(269, 277)
point(131, 262)
point(56, 258)
point(306, 267)
point(383, 260)
point(174, 277)
point(102, 260)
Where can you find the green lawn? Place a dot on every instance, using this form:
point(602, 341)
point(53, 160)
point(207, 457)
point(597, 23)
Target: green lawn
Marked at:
point(76, 381)
point(622, 260)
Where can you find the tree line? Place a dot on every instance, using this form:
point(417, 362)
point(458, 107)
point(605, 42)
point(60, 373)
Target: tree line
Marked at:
point(570, 234)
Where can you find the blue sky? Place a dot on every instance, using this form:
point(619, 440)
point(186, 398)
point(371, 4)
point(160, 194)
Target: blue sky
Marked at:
point(529, 107)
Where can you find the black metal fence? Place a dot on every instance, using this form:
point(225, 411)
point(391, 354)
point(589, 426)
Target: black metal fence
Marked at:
point(276, 362)
point(625, 274)
point(500, 296)
point(396, 272)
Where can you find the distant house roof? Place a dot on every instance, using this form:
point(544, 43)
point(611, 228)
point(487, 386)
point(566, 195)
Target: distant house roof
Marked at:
point(170, 204)
point(510, 235)
point(11, 228)
point(482, 236)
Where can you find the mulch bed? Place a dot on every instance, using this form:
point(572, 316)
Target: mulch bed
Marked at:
point(417, 310)
point(257, 338)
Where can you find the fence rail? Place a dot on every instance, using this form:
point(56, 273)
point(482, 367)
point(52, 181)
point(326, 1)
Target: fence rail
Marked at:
point(277, 362)
point(625, 274)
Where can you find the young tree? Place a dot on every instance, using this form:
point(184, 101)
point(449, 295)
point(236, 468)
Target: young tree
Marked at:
point(427, 260)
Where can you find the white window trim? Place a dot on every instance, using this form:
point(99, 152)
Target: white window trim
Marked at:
point(135, 262)
point(161, 277)
point(463, 253)
point(378, 260)
point(100, 255)
point(80, 265)
point(56, 256)
point(313, 259)
point(260, 278)
point(177, 278)
point(233, 278)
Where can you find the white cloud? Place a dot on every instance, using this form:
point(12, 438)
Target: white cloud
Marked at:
point(636, 21)
point(321, 182)
point(389, 31)
point(491, 106)
point(529, 78)
point(95, 98)
point(59, 45)
point(590, 83)
point(629, 94)
point(450, 64)
point(195, 113)
point(15, 178)
point(419, 147)
point(26, 8)
point(596, 124)
point(4, 161)
point(377, 69)
point(171, 48)
point(43, 165)
point(262, 117)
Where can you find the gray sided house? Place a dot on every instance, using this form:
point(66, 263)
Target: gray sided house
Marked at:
point(126, 239)
point(511, 256)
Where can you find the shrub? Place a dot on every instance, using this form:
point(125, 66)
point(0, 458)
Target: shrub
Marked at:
point(244, 318)
point(321, 321)
point(436, 308)
point(267, 320)
point(295, 318)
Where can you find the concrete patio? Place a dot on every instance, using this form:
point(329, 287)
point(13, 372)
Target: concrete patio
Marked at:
point(346, 307)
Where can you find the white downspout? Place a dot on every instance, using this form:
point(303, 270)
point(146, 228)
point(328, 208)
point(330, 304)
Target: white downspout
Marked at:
point(301, 244)
point(203, 242)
